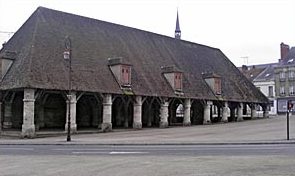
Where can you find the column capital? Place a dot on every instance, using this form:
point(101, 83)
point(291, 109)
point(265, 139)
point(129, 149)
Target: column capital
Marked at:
point(28, 100)
point(209, 103)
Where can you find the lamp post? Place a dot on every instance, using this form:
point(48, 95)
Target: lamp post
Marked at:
point(67, 56)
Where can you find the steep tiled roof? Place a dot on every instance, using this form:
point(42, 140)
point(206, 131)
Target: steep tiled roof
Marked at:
point(39, 63)
point(266, 75)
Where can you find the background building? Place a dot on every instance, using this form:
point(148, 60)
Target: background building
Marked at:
point(285, 78)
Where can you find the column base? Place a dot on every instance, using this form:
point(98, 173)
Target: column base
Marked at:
point(126, 125)
point(137, 125)
point(73, 128)
point(187, 124)
point(224, 120)
point(28, 131)
point(163, 124)
point(106, 127)
point(206, 122)
point(240, 119)
point(149, 124)
point(7, 125)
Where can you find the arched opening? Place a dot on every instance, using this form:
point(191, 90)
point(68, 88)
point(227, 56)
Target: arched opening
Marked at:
point(12, 111)
point(175, 112)
point(216, 112)
point(151, 112)
point(17, 110)
point(233, 106)
point(54, 112)
point(122, 112)
point(89, 112)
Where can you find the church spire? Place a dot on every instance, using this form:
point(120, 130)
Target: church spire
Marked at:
point(177, 28)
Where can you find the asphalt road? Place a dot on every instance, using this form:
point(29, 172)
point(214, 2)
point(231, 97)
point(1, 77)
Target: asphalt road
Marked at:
point(153, 150)
point(147, 160)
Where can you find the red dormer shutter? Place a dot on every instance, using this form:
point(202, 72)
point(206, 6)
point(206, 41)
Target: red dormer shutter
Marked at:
point(178, 81)
point(125, 75)
point(217, 86)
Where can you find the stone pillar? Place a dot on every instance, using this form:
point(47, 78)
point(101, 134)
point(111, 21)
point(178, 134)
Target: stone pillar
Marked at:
point(265, 112)
point(164, 114)
point(137, 114)
point(7, 120)
point(0, 117)
point(28, 127)
point(225, 113)
point(253, 112)
point(126, 116)
point(95, 117)
point(149, 116)
point(73, 104)
point(107, 113)
point(40, 114)
point(240, 112)
point(187, 112)
point(207, 114)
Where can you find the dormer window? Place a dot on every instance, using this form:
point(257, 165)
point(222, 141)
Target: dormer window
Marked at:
point(213, 81)
point(121, 71)
point(7, 58)
point(174, 77)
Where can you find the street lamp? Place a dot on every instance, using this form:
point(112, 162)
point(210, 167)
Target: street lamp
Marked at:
point(67, 56)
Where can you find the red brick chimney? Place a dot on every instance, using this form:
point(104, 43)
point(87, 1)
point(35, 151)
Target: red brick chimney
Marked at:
point(284, 50)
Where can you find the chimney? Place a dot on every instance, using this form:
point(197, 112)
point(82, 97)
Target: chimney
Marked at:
point(244, 67)
point(284, 50)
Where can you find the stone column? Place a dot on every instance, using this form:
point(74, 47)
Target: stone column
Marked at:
point(253, 112)
point(187, 112)
point(107, 113)
point(0, 117)
point(95, 117)
point(240, 112)
point(225, 112)
point(73, 104)
point(265, 112)
point(149, 116)
point(126, 116)
point(137, 114)
point(7, 119)
point(40, 114)
point(164, 114)
point(28, 127)
point(207, 113)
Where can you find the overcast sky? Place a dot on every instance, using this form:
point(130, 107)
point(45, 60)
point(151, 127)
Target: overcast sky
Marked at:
point(247, 31)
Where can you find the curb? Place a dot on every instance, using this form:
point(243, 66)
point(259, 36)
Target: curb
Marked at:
point(152, 144)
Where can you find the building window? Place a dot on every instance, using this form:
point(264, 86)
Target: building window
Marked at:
point(282, 75)
point(270, 91)
point(291, 74)
point(217, 86)
point(126, 76)
point(178, 81)
point(282, 90)
point(291, 90)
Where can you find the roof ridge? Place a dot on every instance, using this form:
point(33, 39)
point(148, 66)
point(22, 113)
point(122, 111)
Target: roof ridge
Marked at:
point(121, 25)
point(31, 51)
